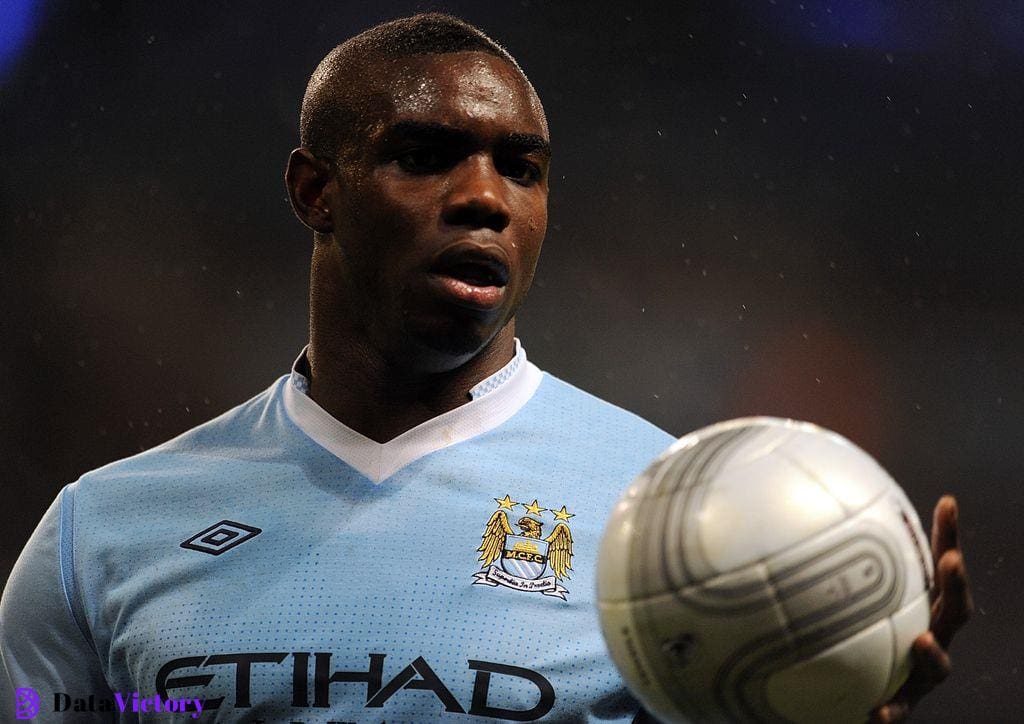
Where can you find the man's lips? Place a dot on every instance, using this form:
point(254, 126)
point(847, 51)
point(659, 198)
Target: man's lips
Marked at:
point(482, 298)
point(476, 264)
point(471, 275)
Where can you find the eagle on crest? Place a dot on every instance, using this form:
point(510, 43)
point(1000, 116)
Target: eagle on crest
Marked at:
point(559, 541)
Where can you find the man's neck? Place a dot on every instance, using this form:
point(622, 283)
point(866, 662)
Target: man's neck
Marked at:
point(379, 400)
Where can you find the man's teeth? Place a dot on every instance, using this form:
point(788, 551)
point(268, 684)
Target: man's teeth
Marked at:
point(475, 276)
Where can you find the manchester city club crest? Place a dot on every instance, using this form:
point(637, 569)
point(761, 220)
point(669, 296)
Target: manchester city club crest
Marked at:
point(528, 560)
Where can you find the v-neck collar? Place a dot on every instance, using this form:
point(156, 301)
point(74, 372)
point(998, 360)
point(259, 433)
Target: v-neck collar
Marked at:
point(494, 400)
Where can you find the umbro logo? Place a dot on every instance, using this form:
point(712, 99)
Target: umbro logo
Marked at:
point(221, 537)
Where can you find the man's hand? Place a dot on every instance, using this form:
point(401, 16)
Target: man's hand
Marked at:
point(951, 607)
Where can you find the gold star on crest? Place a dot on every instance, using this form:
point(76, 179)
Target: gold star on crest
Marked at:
point(507, 503)
point(563, 514)
point(533, 508)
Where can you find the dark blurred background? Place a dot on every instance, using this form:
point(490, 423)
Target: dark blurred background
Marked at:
point(807, 209)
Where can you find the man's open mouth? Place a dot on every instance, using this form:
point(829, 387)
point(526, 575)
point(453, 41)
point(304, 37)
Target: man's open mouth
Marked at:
point(473, 267)
point(471, 275)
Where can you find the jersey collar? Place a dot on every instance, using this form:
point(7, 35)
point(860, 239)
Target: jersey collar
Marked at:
point(494, 400)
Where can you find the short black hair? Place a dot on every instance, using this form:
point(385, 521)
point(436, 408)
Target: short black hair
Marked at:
point(330, 111)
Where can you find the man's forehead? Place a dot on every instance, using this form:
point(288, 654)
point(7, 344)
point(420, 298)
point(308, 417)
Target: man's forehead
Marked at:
point(454, 88)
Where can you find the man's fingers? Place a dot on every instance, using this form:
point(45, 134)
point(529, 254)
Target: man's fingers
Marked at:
point(954, 604)
point(950, 610)
point(945, 527)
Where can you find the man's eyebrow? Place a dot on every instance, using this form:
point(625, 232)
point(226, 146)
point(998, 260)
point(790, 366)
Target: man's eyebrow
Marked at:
point(426, 131)
point(430, 132)
point(529, 142)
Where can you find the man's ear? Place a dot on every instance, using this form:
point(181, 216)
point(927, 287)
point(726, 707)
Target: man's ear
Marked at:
point(306, 177)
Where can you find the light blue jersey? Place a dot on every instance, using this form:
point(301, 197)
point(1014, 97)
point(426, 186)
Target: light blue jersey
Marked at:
point(275, 565)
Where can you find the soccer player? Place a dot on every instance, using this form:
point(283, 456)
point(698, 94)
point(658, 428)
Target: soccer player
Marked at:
point(405, 527)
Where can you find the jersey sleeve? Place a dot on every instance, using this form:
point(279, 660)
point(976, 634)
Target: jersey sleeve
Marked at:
point(44, 642)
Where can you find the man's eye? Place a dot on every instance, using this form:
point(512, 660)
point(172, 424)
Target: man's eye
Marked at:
point(520, 170)
point(421, 160)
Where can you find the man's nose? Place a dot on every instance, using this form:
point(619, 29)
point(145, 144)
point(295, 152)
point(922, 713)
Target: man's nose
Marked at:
point(477, 195)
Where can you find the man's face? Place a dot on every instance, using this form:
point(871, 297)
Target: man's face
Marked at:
point(440, 207)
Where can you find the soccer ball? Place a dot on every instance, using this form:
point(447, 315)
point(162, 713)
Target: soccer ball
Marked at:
point(763, 570)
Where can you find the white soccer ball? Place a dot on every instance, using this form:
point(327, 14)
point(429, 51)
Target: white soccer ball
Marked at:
point(763, 570)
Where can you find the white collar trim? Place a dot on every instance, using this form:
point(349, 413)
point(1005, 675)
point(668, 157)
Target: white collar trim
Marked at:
point(495, 400)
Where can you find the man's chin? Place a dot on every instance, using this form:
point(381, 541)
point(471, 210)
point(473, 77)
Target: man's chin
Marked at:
point(443, 348)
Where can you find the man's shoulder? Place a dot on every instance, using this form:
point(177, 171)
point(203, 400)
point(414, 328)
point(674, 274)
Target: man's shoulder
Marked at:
point(567, 399)
point(244, 433)
point(559, 392)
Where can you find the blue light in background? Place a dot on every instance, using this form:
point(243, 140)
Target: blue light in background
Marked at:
point(17, 21)
point(871, 24)
point(863, 24)
point(1006, 20)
